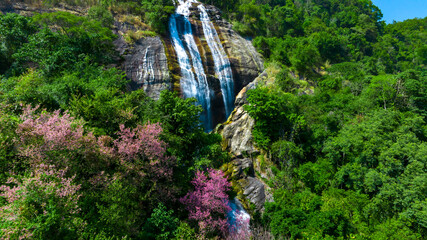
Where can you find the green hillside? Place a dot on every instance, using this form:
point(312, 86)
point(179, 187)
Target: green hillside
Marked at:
point(341, 121)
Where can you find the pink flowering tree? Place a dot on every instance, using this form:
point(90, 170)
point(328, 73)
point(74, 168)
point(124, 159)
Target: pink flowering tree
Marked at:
point(141, 156)
point(125, 176)
point(140, 150)
point(55, 139)
point(42, 205)
point(208, 204)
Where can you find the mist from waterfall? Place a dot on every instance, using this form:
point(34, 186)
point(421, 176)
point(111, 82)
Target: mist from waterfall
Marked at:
point(222, 65)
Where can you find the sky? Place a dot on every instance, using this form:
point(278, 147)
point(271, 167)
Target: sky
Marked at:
point(400, 10)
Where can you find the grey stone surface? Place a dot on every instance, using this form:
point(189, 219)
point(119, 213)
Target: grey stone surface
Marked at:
point(245, 61)
point(237, 131)
point(146, 65)
point(254, 190)
point(237, 139)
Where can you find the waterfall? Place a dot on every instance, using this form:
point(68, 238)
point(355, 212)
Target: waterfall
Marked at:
point(222, 65)
point(147, 65)
point(190, 87)
point(238, 219)
point(145, 73)
point(193, 78)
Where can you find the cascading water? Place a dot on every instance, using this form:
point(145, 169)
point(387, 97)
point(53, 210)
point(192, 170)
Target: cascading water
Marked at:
point(147, 65)
point(239, 219)
point(145, 72)
point(191, 88)
point(193, 78)
point(222, 65)
point(183, 41)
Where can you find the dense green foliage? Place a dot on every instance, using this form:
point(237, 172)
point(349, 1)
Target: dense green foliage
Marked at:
point(305, 34)
point(154, 12)
point(344, 123)
point(79, 138)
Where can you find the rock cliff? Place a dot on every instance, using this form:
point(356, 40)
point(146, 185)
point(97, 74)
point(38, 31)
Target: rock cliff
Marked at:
point(147, 65)
point(246, 62)
point(244, 169)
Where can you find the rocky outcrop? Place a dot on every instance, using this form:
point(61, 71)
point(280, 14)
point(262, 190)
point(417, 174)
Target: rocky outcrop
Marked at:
point(147, 65)
point(144, 61)
point(238, 140)
point(25, 9)
point(237, 131)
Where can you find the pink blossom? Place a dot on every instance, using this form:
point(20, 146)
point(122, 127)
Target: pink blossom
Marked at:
point(50, 185)
point(48, 132)
point(141, 150)
point(208, 203)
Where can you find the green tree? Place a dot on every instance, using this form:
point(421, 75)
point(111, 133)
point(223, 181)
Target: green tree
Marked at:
point(161, 225)
point(14, 32)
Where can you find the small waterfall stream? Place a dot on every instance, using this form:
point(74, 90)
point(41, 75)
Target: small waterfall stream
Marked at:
point(145, 73)
point(238, 218)
point(147, 65)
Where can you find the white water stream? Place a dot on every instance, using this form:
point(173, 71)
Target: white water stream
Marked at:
point(181, 32)
point(222, 65)
point(147, 65)
point(193, 78)
point(239, 219)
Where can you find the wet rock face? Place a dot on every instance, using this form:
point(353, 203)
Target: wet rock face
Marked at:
point(246, 64)
point(146, 64)
point(245, 61)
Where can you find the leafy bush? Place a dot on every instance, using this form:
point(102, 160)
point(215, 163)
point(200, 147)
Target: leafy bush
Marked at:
point(42, 205)
point(75, 39)
point(102, 15)
point(14, 32)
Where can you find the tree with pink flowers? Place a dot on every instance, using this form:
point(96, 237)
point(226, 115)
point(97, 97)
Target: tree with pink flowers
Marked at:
point(208, 204)
point(43, 205)
point(58, 139)
point(140, 150)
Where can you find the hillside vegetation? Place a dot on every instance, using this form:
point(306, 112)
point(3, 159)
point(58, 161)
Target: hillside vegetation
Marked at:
point(350, 156)
point(344, 125)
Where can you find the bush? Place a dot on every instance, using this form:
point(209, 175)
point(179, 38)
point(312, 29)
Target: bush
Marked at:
point(101, 14)
point(43, 205)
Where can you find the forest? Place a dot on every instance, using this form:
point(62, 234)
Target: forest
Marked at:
point(343, 123)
